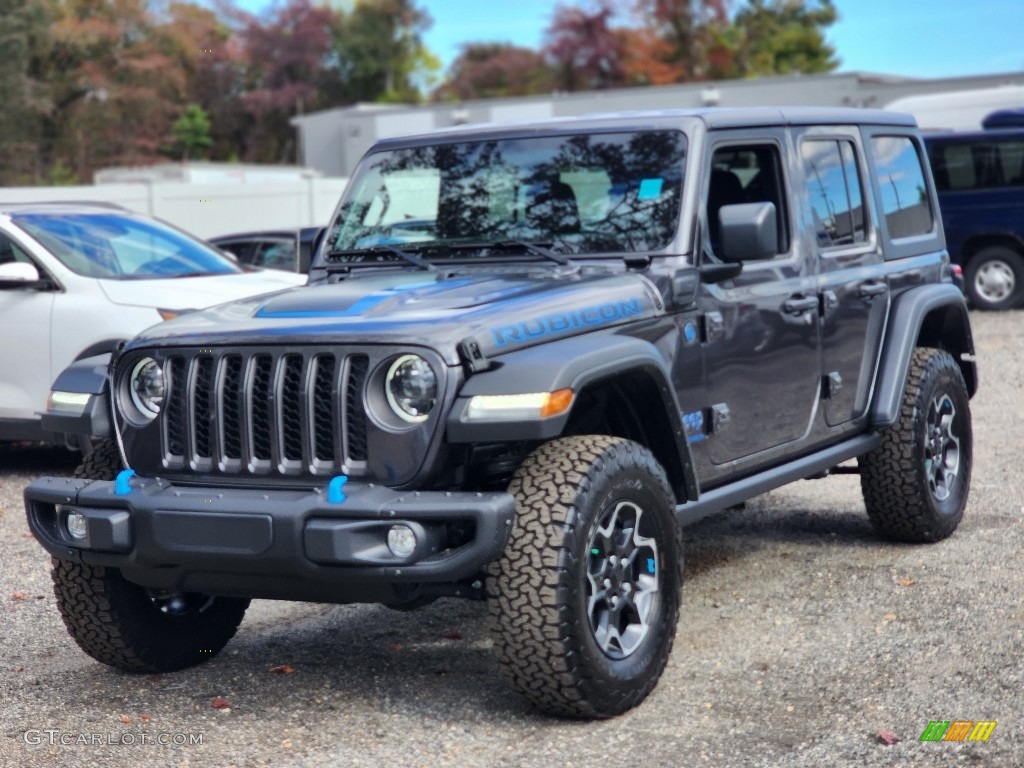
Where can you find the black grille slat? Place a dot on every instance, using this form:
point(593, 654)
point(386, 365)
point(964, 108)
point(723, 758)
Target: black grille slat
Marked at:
point(232, 392)
point(290, 422)
point(323, 415)
point(266, 412)
point(355, 412)
point(261, 407)
point(200, 406)
point(174, 421)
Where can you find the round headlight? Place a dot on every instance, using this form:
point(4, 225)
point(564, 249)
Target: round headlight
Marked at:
point(411, 388)
point(147, 388)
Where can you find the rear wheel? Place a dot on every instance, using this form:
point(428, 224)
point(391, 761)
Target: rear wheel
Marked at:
point(916, 482)
point(126, 626)
point(994, 278)
point(585, 599)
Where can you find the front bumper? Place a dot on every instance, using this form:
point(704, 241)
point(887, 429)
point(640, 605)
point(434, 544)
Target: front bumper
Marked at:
point(286, 544)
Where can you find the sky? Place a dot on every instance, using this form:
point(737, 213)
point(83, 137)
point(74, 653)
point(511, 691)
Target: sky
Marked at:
point(909, 38)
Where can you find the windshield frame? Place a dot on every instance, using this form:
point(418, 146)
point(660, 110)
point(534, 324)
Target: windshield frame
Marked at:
point(440, 250)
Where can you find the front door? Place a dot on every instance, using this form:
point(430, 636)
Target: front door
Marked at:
point(25, 317)
point(760, 329)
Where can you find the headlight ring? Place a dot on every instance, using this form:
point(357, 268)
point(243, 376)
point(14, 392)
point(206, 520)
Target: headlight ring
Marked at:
point(147, 388)
point(410, 387)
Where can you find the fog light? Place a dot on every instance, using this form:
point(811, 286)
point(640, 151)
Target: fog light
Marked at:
point(401, 540)
point(76, 524)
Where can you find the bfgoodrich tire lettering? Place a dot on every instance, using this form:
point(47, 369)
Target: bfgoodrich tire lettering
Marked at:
point(916, 482)
point(123, 625)
point(595, 526)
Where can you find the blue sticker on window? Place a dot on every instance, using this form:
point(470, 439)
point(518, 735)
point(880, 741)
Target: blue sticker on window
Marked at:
point(649, 189)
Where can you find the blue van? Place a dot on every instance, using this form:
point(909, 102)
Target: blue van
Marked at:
point(980, 180)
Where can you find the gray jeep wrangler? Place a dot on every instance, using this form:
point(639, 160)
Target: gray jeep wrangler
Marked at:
point(526, 357)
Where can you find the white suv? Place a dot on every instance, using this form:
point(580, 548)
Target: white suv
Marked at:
point(76, 279)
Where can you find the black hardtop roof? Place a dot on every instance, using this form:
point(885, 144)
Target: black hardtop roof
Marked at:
point(715, 118)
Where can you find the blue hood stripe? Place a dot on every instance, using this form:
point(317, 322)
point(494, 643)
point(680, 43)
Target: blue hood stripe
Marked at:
point(364, 304)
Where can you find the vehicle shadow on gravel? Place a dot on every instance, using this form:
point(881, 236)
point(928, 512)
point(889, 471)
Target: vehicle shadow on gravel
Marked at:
point(729, 537)
point(434, 663)
point(37, 459)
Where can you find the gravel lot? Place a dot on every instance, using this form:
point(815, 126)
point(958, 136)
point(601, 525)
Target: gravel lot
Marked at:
point(803, 636)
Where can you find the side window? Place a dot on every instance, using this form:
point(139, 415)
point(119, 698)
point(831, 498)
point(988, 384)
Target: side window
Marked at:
point(746, 174)
point(905, 202)
point(9, 252)
point(834, 191)
point(276, 254)
point(983, 164)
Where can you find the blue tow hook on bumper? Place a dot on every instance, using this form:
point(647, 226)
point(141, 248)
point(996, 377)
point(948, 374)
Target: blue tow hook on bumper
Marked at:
point(190, 535)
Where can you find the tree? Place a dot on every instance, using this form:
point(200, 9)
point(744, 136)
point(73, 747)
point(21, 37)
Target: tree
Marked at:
point(493, 70)
point(215, 62)
point(286, 74)
point(681, 41)
point(586, 52)
point(23, 29)
point(379, 52)
point(113, 89)
point(778, 37)
point(192, 132)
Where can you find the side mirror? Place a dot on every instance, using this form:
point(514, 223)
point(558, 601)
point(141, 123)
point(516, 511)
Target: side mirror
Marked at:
point(749, 232)
point(18, 274)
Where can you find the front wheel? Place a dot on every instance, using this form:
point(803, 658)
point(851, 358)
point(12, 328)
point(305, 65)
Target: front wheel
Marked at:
point(585, 599)
point(915, 483)
point(126, 626)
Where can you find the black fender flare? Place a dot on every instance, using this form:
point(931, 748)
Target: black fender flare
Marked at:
point(932, 316)
point(87, 376)
point(575, 363)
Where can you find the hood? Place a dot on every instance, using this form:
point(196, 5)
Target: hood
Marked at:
point(197, 292)
point(501, 312)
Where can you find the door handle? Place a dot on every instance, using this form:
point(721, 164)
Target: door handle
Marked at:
point(872, 290)
point(797, 306)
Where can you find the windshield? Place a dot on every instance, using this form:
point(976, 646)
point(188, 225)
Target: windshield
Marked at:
point(119, 246)
point(593, 193)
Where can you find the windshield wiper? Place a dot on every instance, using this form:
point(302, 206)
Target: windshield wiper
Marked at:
point(412, 258)
point(534, 248)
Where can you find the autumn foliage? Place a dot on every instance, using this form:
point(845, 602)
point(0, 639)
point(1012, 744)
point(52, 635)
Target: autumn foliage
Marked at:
point(92, 83)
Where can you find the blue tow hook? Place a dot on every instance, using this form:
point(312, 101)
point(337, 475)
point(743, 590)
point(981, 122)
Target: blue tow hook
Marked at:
point(335, 489)
point(123, 482)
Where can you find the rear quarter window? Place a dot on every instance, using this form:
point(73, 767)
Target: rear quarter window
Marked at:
point(903, 190)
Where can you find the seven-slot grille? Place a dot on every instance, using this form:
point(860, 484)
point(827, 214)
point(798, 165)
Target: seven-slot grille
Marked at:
point(265, 412)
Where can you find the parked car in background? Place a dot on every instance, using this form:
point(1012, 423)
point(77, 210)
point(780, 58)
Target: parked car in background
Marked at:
point(76, 279)
point(290, 250)
point(980, 179)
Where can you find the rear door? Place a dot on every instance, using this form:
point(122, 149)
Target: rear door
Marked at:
point(852, 284)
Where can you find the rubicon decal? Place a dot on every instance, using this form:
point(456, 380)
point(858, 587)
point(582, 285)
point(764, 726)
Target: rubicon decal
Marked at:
point(559, 322)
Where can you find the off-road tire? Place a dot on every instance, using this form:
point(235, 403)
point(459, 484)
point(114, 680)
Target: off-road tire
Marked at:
point(567, 492)
point(898, 478)
point(994, 278)
point(103, 462)
point(122, 624)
